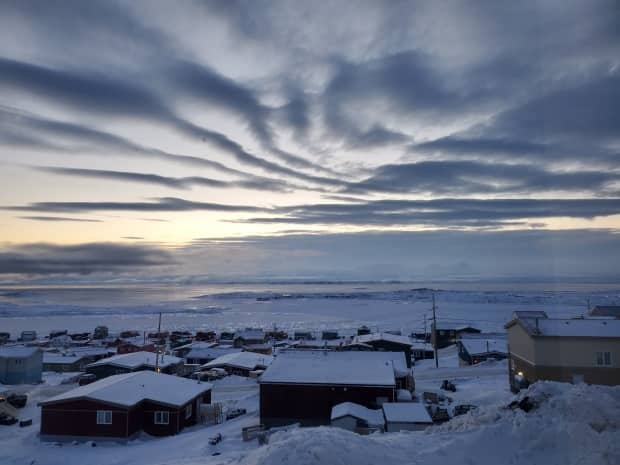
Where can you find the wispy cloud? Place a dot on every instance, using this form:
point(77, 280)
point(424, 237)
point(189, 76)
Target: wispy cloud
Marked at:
point(59, 219)
point(164, 204)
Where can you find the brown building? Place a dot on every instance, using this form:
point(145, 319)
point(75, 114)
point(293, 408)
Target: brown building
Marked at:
point(568, 350)
point(128, 348)
point(120, 406)
point(388, 342)
point(303, 386)
point(447, 335)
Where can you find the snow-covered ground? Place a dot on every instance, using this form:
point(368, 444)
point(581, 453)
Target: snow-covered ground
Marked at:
point(572, 425)
point(313, 308)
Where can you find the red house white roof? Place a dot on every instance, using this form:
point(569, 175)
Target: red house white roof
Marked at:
point(132, 388)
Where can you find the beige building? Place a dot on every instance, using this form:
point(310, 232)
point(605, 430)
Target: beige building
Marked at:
point(569, 350)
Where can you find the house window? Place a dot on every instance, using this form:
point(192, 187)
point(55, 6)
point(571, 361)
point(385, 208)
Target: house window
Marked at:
point(603, 359)
point(188, 411)
point(104, 417)
point(162, 418)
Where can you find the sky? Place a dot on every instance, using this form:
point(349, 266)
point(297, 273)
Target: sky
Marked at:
point(317, 140)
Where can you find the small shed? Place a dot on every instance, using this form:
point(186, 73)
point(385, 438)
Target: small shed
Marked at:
point(406, 416)
point(20, 365)
point(357, 418)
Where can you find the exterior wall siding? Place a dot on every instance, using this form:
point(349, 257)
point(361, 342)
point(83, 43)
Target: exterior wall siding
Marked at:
point(576, 352)
point(590, 375)
point(78, 418)
point(521, 343)
point(311, 405)
point(21, 370)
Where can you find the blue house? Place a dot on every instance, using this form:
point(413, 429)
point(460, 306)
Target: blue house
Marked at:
point(20, 365)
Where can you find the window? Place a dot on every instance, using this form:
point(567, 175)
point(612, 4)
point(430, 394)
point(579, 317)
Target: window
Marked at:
point(162, 418)
point(188, 411)
point(603, 359)
point(104, 417)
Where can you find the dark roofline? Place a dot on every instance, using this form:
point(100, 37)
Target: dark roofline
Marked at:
point(327, 384)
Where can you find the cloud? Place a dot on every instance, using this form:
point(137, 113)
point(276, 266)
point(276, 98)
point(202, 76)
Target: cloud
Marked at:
point(470, 178)
point(59, 219)
point(50, 259)
point(105, 96)
point(164, 204)
point(531, 255)
point(439, 212)
point(546, 129)
point(167, 181)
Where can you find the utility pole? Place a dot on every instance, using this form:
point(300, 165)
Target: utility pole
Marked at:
point(435, 333)
point(157, 347)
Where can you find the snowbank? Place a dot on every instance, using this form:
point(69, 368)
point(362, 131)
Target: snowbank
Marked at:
point(570, 425)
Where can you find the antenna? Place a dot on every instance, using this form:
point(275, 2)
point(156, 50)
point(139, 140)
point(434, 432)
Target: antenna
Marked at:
point(435, 333)
point(157, 347)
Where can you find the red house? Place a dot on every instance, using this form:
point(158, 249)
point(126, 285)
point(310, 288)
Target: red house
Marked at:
point(120, 406)
point(303, 386)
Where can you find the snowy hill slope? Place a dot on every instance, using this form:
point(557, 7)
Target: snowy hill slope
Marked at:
point(572, 425)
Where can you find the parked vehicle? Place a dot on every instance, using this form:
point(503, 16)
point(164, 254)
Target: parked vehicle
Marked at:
point(86, 378)
point(448, 386)
point(7, 419)
point(463, 409)
point(17, 400)
point(235, 413)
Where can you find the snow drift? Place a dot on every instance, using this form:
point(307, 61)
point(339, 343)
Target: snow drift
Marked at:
point(568, 425)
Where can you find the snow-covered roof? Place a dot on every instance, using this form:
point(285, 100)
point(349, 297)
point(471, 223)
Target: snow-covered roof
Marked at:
point(88, 351)
point(73, 355)
point(529, 314)
point(406, 412)
point(131, 388)
point(329, 367)
point(572, 327)
point(368, 338)
point(483, 346)
point(17, 351)
point(245, 360)
point(52, 358)
point(196, 345)
point(251, 334)
point(372, 417)
point(212, 353)
point(136, 359)
point(422, 346)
